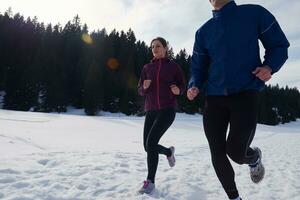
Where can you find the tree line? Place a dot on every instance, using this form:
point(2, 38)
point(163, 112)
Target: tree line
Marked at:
point(46, 68)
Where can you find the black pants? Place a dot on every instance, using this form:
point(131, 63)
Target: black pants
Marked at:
point(239, 111)
point(156, 124)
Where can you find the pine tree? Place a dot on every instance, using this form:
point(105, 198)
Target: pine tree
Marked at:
point(91, 89)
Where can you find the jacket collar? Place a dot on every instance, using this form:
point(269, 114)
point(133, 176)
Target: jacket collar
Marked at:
point(226, 9)
point(162, 59)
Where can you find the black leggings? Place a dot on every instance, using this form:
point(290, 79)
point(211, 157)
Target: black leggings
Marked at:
point(240, 112)
point(156, 124)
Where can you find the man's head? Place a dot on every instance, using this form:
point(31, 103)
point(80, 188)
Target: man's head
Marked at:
point(218, 4)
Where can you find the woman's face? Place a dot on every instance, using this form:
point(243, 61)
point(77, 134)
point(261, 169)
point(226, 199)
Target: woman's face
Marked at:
point(158, 50)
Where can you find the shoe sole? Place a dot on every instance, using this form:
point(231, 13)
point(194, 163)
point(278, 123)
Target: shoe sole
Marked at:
point(263, 172)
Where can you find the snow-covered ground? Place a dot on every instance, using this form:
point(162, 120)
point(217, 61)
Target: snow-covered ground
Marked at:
point(76, 157)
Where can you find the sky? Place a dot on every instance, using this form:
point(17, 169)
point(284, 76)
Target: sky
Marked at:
point(175, 20)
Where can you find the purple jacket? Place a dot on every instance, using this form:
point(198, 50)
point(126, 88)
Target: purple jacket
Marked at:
point(163, 73)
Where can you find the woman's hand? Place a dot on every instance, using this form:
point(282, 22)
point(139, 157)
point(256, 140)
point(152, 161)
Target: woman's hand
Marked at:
point(175, 90)
point(146, 84)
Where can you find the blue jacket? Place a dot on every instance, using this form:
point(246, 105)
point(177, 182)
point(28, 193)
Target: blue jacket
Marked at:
point(226, 49)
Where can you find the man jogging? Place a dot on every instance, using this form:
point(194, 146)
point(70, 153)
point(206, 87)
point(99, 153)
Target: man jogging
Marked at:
point(226, 66)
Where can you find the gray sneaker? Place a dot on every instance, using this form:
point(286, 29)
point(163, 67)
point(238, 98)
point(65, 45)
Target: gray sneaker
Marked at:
point(147, 187)
point(238, 198)
point(257, 170)
point(171, 159)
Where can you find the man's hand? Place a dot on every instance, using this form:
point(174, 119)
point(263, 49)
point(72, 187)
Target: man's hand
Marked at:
point(263, 73)
point(146, 84)
point(192, 93)
point(175, 90)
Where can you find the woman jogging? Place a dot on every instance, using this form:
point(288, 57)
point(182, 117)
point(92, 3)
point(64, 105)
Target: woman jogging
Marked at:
point(160, 82)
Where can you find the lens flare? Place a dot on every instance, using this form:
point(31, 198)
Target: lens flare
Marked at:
point(87, 38)
point(112, 63)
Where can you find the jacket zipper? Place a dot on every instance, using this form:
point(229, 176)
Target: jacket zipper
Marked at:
point(157, 82)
